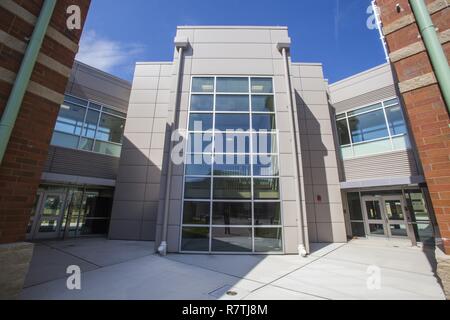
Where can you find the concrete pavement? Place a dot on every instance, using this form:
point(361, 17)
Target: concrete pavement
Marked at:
point(131, 270)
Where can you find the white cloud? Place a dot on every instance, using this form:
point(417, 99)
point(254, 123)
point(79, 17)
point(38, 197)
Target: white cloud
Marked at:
point(106, 54)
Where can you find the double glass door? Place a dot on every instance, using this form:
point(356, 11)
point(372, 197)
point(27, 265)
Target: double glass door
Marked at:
point(47, 215)
point(385, 216)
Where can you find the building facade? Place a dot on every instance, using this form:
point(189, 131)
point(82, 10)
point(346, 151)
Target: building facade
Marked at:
point(383, 188)
point(74, 198)
point(230, 78)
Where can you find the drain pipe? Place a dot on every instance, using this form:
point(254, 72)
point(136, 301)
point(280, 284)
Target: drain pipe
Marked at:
point(434, 47)
point(20, 86)
point(303, 248)
point(181, 44)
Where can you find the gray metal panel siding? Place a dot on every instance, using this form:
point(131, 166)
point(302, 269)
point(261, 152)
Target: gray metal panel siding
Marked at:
point(92, 84)
point(364, 99)
point(81, 163)
point(394, 164)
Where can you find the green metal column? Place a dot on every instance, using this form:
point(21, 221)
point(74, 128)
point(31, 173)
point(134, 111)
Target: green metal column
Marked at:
point(434, 47)
point(23, 76)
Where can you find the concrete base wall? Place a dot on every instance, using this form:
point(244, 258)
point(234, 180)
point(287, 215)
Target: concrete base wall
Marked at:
point(15, 260)
point(443, 270)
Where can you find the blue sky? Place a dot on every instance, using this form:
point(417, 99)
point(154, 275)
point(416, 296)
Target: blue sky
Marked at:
point(334, 32)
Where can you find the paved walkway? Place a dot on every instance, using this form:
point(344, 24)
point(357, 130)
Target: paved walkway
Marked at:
point(131, 270)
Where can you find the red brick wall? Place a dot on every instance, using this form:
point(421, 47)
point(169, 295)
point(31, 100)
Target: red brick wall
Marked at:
point(425, 108)
point(22, 166)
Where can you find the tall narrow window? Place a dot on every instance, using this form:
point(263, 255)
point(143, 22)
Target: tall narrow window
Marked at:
point(232, 202)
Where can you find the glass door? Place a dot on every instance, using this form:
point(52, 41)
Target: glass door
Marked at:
point(375, 220)
point(396, 221)
point(49, 215)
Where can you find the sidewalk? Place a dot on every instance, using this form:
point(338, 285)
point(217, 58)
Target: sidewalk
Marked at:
point(131, 270)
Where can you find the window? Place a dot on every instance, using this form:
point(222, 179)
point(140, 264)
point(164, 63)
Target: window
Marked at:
point(396, 121)
point(342, 129)
point(372, 129)
point(235, 103)
point(203, 85)
point(202, 102)
point(226, 122)
point(232, 204)
point(89, 126)
point(232, 85)
point(369, 126)
point(110, 129)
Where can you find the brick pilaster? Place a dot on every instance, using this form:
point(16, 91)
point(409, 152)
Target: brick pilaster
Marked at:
point(425, 108)
point(21, 169)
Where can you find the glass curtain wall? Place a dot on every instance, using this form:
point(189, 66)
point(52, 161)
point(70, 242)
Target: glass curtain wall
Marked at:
point(372, 129)
point(89, 126)
point(232, 189)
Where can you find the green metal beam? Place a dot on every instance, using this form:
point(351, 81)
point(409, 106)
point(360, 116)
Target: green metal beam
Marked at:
point(434, 47)
point(20, 86)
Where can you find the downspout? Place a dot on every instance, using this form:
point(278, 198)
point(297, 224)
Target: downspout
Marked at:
point(434, 48)
point(180, 44)
point(303, 248)
point(23, 77)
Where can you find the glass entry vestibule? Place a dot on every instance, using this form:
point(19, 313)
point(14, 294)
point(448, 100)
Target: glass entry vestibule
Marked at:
point(385, 216)
point(67, 212)
point(396, 214)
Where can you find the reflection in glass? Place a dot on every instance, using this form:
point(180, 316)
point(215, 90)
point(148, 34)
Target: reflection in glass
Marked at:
point(65, 140)
point(107, 148)
point(110, 129)
point(200, 143)
point(262, 85)
point(263, 104)
point(358, 229)
point(226, 122)
point(396, 120)
point(52, 206)
point(376, 229)
point(267, 213)
point(196, 212)
point(48, 225)
point(373, 210)
point(197, 188)
point(195, 239)
point(267, 189)
point(264, 142)
point(202, 102)
point(203, 85)
point(232, 165)
point(368, 126)
point(198, 165)
point(394, 210)
point(200, 122)
point(236, 103)
point(70, 119)
point(226, 239)
point(232, 188)
point(232, 213)
point(90, 126)
point(233, 85)
point(263, 122)
point(265, 165)
point(398, 230)
point(232, 142)
point(343, 133)
point(86, 144)
point(268, 240)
